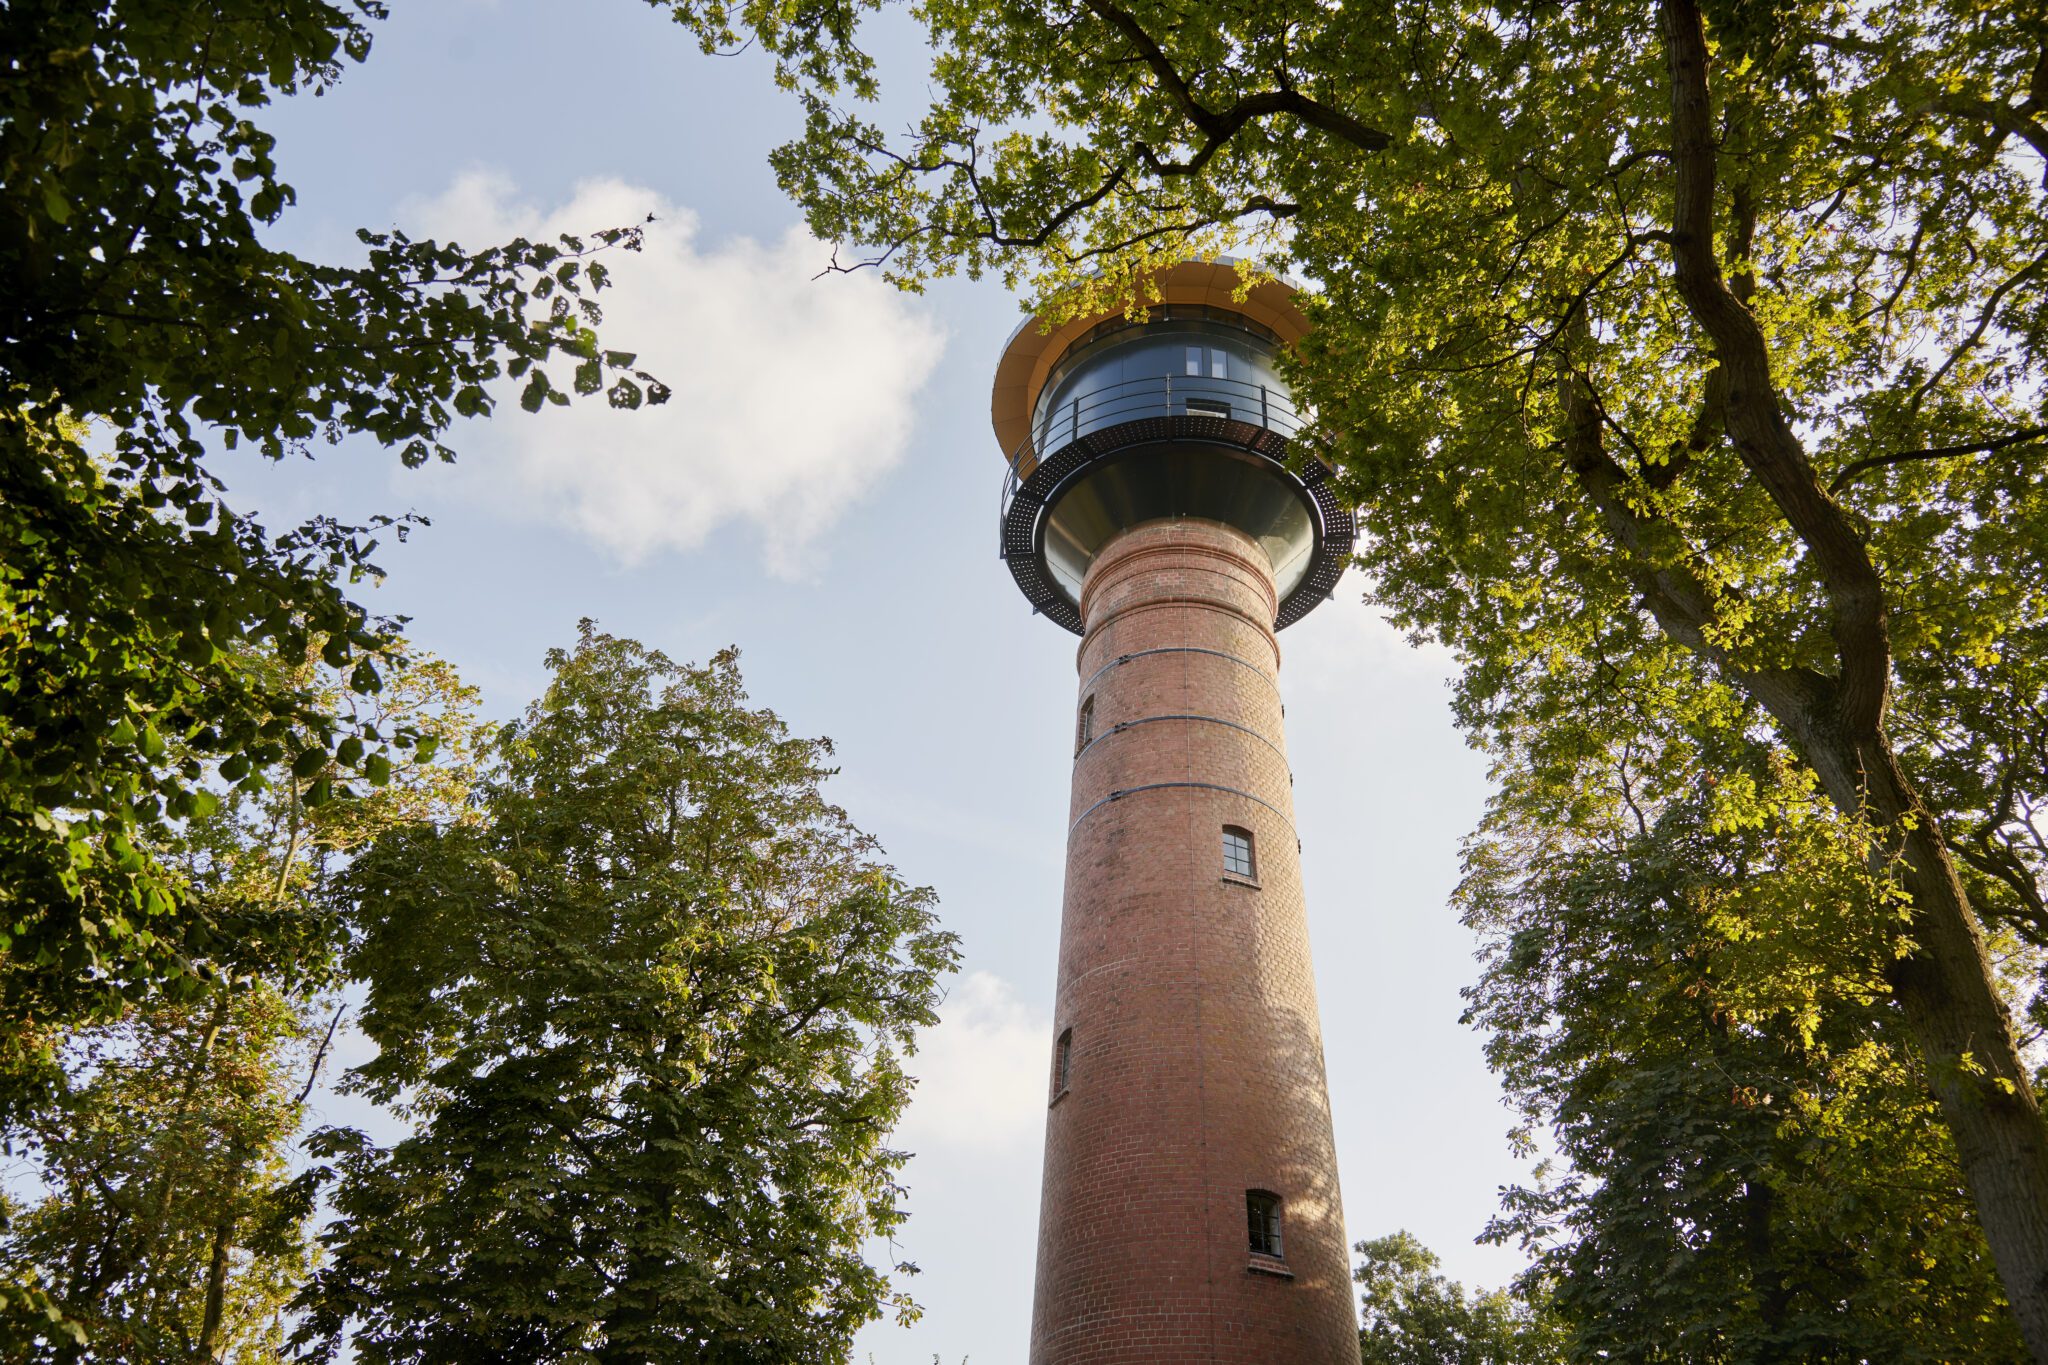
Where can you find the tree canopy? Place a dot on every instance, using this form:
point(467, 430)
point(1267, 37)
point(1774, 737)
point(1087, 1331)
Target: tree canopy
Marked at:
point(167, 1229)
point(157, 1213)
point(646, 1010)
point(144, 323)
point(1415, 1316)
point(1646, 335)
point(1696, 1013)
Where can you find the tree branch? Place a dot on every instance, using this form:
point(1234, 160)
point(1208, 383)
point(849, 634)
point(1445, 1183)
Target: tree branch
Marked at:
point(1682, 605)
point(1755, 416)
point(1220, 127)
point(2007, 119)
point(319, 1056)
point(1854, 468)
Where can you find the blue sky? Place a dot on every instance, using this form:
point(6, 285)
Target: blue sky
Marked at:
point(822, 493)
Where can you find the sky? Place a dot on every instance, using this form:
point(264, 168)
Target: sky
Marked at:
point(822, 493)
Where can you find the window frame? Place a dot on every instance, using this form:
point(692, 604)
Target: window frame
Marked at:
point(1265, 1217)
point(1084, 725)
point(1063, 1063)
point(1234, 835)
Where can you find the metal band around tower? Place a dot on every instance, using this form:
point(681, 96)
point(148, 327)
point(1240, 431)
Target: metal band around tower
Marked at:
point(1179, 649)
point(1121, 792)
point(1026, 498)
point(1185, 715)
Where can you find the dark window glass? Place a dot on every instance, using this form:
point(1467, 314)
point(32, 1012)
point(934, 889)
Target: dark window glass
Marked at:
point(1084, 729)
point(1262, 1220)
point(1237, 851)
point(1063, 1063)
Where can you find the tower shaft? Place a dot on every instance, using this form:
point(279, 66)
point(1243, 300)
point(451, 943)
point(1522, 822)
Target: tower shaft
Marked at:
point(1189, 1131)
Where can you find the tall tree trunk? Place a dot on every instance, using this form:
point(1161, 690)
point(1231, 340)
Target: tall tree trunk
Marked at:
point(208, 1347)
point(1952, 1007)
point(1944, 986)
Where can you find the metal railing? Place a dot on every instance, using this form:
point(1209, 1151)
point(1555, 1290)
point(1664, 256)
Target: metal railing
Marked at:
point(1171, 395)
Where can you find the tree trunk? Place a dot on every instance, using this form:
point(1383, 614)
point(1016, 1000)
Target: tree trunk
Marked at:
point(216, 1290)
point(1946, 993)
point(1944, 985)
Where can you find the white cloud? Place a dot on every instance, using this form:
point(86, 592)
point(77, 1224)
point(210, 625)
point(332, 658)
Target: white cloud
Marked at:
point(982, 1072)
point(793, 396)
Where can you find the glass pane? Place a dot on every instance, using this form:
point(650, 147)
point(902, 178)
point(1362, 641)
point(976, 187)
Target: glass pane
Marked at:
point(1219, 365)
point(1194, 360)
point(1262, 1219)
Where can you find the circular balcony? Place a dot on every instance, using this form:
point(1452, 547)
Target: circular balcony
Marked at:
point(1106, 422)
point(1163, 446)
point(1199, 445)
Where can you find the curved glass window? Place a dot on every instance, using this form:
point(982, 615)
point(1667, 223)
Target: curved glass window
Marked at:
point(1168, 367)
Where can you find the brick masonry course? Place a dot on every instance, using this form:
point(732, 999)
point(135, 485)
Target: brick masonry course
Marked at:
point(1196, 1069)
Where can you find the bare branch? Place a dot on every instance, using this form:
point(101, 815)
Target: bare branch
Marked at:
point(1852, 470)
point(319, 1056)
point(1220, 126)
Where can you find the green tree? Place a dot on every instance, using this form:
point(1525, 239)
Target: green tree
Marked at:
point(158, 1218)
point(168, 1230)
point(143, 322)
point(1415, 1316)
point(1696, 1011)
point(646, 1013)
point(1641, 329)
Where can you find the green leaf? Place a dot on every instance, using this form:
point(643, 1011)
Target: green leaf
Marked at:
point(535, 393)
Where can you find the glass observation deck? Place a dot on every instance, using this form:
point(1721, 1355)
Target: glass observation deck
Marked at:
point(1170, 364)
point(1182, 415)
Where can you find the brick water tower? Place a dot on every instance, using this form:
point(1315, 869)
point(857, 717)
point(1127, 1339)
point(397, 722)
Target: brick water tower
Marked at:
point(1156, 508)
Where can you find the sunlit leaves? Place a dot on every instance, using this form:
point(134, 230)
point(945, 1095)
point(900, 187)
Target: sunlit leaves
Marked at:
point(165, 1151)
point(647, 1006)
point(1416, 1316)
point(1684, 991)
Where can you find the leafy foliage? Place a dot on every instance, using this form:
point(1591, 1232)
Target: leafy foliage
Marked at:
point(1646, 334)
point(139, 613)
point(159, 1219)
point(168, 1220)
point(1696, 1010)
point(1414, 1316)
point(646, 1011)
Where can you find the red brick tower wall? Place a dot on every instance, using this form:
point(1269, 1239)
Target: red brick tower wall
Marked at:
point(1195, 1065)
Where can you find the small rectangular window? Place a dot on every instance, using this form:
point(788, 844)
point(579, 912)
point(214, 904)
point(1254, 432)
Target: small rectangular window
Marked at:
point(1219, 365)
point(1237, 852)
point(1262, 1221)
point(1205, 407)
point(1084, 728)
point(1194, 360)
point(1063, 1063)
